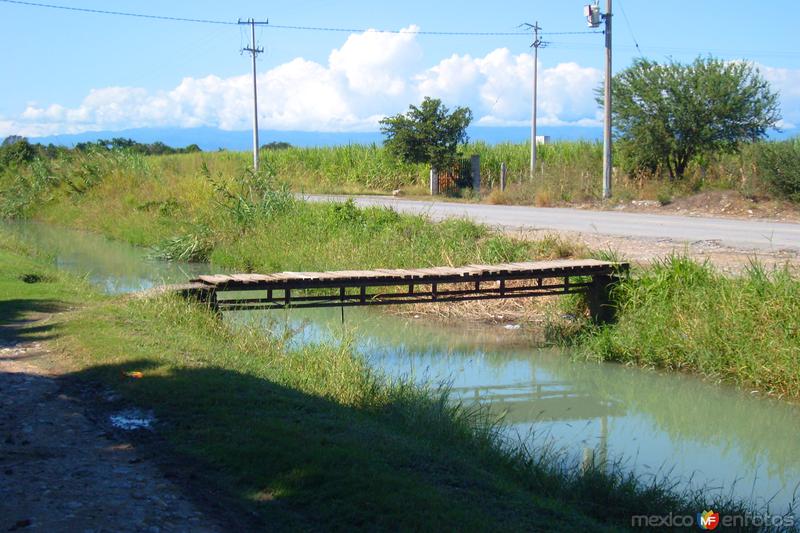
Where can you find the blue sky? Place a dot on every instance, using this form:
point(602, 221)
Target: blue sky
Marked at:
point(66, 72)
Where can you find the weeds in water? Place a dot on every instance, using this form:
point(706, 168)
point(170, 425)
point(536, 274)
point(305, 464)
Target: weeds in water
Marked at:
point(190, 247)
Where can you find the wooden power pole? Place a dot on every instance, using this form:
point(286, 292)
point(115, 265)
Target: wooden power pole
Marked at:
point(607, 163)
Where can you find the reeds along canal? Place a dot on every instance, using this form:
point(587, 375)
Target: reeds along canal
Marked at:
point(655, 424)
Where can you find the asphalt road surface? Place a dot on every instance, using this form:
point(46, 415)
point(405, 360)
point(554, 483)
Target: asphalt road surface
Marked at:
point(733, 233)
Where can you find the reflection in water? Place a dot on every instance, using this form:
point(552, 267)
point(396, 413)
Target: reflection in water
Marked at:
point(116, 267)
point(653, 422)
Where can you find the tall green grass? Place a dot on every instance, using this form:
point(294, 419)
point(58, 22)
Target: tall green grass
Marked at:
point(312, 437)
point(677, 315)
point(338, 444)
point(682, 315)
point(566, 172)
point(251, 221)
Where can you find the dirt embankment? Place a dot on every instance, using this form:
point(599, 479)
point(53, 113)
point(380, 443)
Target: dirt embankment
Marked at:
point(726, 204)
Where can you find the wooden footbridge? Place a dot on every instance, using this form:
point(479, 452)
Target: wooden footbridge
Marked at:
point(348, 288)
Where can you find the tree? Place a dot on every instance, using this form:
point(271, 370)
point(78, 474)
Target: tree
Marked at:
point(429, 133)
point(13, 139)
point(276, 145)
point(667, 115)
point(16, 150)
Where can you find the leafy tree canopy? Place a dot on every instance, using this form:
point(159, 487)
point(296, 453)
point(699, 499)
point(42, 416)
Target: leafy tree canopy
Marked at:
point(13, 139)
point(429, 133)
point(665, 115)
point(276, 145)
point(16, 150)
point(119, 143)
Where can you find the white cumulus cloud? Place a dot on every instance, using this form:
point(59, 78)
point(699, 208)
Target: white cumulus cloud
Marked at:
point(371, 75)
point(787, 83)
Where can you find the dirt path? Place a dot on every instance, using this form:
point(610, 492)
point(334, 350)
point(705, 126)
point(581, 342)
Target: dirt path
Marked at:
point(63, 468)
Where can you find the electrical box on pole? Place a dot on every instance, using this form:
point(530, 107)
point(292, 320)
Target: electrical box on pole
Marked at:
point(592, 14)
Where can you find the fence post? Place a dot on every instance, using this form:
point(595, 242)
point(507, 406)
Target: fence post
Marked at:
point(503, 170)
point(434, 182)
point(475, 160)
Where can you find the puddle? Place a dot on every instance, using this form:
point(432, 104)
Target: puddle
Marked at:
point(132, 419)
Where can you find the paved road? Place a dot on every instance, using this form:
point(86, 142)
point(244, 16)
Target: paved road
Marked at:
point(740, 234)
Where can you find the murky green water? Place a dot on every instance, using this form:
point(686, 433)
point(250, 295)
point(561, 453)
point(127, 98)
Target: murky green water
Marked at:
point(701, 434)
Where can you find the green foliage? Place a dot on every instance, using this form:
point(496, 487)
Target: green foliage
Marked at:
point(664, 196)
point(193, 247)
point(26, 189)
point(779, 165)
point(336, 432)
point(16, 151)
point(683, 315)
point(429, 133)
point(276, 145)
point(120, 143)
point(251, 196)
point(668, 114)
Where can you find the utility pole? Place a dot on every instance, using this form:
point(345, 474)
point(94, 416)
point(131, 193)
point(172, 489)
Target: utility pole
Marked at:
point(607, 163)
point(593, 17)
point(537, 42)
point(254, 51)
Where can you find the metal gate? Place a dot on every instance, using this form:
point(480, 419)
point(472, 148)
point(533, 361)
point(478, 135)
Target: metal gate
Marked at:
point(457, 177)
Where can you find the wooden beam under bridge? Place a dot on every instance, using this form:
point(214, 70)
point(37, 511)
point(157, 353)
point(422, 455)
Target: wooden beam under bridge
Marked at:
point(348, 288)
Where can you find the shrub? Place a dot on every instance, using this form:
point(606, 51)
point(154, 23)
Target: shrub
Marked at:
point(16, 151)
point(779, 166)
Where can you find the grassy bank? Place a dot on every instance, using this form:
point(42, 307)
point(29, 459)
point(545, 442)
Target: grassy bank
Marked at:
point(252, 221)
point(679, 316)
point(311, 438)
point(686, 316)
point(567, 172)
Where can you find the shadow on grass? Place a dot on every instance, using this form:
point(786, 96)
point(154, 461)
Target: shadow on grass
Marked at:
point(303, 462)
point(20, 319)
point(299, 461)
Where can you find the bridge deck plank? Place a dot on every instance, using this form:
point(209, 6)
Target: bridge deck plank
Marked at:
point(428, 275)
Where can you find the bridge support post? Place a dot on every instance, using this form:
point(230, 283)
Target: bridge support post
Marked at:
point(206, 297)
point(601, 309)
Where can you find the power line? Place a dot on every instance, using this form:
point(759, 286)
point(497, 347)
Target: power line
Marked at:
point(118, 13)
point(630, 29)
point(423, 32)
point(284, 27)
point(416, 32)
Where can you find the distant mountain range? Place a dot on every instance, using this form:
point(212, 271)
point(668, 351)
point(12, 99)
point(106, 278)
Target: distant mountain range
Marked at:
point(210, 139)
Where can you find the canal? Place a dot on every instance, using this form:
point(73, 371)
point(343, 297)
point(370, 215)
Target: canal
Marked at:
point(698, 434)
